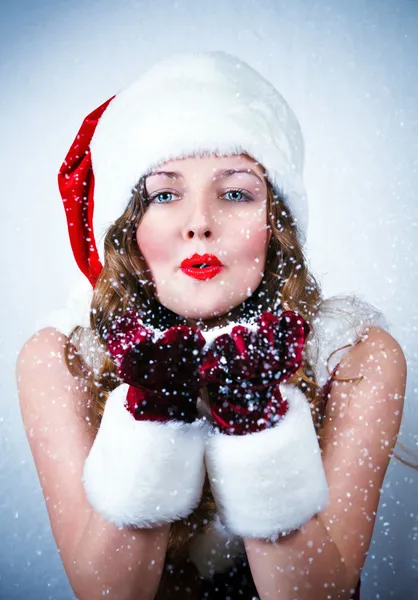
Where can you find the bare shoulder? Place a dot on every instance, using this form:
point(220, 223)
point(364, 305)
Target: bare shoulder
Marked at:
point(44, 347)
point(376, 370)
point(378, 359)
point(46, 335)
point(45, 341)
point(41, 363)
point(379, 345)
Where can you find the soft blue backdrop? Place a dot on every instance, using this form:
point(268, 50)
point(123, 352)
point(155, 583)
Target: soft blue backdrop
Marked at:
point(350, 71)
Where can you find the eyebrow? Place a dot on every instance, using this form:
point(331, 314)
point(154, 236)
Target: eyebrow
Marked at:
point(221, 174)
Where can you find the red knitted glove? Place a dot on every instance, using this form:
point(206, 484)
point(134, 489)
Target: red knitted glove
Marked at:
point(243, 370)
point(162, 368)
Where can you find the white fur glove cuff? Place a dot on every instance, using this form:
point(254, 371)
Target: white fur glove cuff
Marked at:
point(144, 473)
point(269, 482)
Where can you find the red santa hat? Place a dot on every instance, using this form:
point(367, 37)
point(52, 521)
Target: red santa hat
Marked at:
point(190, 104)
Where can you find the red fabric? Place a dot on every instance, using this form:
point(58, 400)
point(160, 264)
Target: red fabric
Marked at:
point(243, 370)
point(163, 374)
point(76, 185)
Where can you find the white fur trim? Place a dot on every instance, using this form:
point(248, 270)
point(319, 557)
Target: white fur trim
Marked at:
point(215, 550)
point(144, 473)
point(216, 103)
point(75, 312)
point(340, 320)
point(272, 481)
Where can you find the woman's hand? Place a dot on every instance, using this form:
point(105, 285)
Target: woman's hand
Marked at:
point(161, 368)
point(243, 370)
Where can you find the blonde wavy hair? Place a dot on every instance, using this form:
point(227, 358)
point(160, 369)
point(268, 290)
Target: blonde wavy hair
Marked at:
point(125, 283)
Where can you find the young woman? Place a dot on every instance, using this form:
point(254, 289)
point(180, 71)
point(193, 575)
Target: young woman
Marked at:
point(205, 424)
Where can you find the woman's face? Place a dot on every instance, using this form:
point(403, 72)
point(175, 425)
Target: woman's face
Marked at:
point(207, 206)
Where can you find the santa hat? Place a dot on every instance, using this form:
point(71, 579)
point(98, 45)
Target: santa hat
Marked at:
point(190, 104)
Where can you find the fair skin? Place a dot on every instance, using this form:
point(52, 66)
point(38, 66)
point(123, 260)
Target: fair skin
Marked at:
point(198, 211)
point(321, 560)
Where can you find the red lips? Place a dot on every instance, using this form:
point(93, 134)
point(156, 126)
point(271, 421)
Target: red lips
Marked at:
point(201, 259)
point(201, 266)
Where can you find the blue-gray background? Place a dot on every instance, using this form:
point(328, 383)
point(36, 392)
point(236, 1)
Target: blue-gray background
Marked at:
point(350, 71)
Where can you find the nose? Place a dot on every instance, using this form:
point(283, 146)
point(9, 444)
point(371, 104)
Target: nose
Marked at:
point(199, 224)
point(198, 232)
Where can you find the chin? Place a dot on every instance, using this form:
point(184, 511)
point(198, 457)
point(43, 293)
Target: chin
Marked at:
point(212, 314)
point(197, 313)
point(200, 310)
point(204, 304)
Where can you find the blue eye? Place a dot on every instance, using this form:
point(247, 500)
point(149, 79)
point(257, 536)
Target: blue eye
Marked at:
point(243, 197)
point(153, 198)
point(246, 197)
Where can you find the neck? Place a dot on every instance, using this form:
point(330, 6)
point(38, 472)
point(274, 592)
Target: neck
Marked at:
point(206, 324)
point(247, 310)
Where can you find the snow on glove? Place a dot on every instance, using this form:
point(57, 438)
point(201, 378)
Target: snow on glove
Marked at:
point(146, 465)
point(162, 368)
point(263, 460)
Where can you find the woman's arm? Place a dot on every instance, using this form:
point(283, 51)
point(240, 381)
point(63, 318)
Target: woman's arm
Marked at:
point(324, 558)
point(124, 564)
point(96, 554)
point(303, 565)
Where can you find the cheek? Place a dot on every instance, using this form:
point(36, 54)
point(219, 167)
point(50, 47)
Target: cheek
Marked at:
point(148, 236)
point(251, 236)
